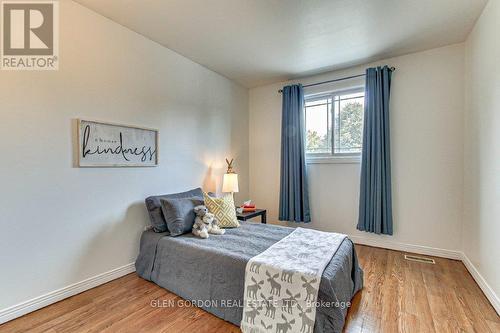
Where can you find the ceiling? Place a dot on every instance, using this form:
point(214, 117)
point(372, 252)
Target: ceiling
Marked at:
point(255, 42)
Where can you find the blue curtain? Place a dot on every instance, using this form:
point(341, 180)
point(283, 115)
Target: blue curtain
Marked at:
point(375, 201)
point(294, 198)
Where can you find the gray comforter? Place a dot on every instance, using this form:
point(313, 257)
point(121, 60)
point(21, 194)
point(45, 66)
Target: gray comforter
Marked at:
point(213, 270)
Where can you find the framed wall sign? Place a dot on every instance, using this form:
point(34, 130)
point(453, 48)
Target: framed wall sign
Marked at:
point(111, 145)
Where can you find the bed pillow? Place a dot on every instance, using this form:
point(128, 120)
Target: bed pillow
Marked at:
point(153, 206)
point(179, 214)
point(224, 210)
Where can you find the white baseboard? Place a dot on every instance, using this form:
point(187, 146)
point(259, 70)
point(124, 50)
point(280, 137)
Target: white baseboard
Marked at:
point(419, 249)
point(485, 287)
point(41, 301)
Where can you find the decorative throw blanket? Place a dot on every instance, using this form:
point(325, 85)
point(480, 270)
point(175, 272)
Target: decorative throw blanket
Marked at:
point(282, 283)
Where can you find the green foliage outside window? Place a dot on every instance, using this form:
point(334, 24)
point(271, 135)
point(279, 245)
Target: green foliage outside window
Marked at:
point(348, 133)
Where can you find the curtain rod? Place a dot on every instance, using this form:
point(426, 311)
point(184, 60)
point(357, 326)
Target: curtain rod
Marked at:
point(335, 80)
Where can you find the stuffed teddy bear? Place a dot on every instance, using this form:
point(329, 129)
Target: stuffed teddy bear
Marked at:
point(205, 223)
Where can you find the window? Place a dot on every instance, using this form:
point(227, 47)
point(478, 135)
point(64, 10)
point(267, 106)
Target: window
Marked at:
point(334, 124)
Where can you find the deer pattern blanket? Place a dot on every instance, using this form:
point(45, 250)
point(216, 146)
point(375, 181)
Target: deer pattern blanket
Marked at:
point(281, 283)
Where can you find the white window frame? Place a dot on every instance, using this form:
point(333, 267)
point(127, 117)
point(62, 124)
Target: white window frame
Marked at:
point(350, 158)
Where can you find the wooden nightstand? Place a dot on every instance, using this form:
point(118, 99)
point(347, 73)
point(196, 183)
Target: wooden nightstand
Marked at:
point(258, 212)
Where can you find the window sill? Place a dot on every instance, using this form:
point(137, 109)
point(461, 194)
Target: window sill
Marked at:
point(334, 160)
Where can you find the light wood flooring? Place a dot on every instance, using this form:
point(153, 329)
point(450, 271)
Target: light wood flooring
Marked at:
point(399, 296)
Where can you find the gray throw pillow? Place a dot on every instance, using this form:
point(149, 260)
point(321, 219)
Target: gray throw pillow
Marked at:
point(153, 205)
point(179, 214)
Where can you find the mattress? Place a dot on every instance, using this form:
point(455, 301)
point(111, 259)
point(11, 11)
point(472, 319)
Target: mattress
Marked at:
point(211, 272)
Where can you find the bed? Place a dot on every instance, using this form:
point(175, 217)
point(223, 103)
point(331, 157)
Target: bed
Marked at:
point(212, 271)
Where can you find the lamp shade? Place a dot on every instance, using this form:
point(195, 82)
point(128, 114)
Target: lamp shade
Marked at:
point(230, 182)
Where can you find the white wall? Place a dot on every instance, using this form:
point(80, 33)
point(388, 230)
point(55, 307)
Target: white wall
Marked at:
point(60, 224)
point(427, 154)
point(482, 149)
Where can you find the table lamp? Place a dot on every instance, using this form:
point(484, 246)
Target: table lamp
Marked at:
point(230, 180)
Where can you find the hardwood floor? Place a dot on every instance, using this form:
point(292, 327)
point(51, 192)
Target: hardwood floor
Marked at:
point(399, 296)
